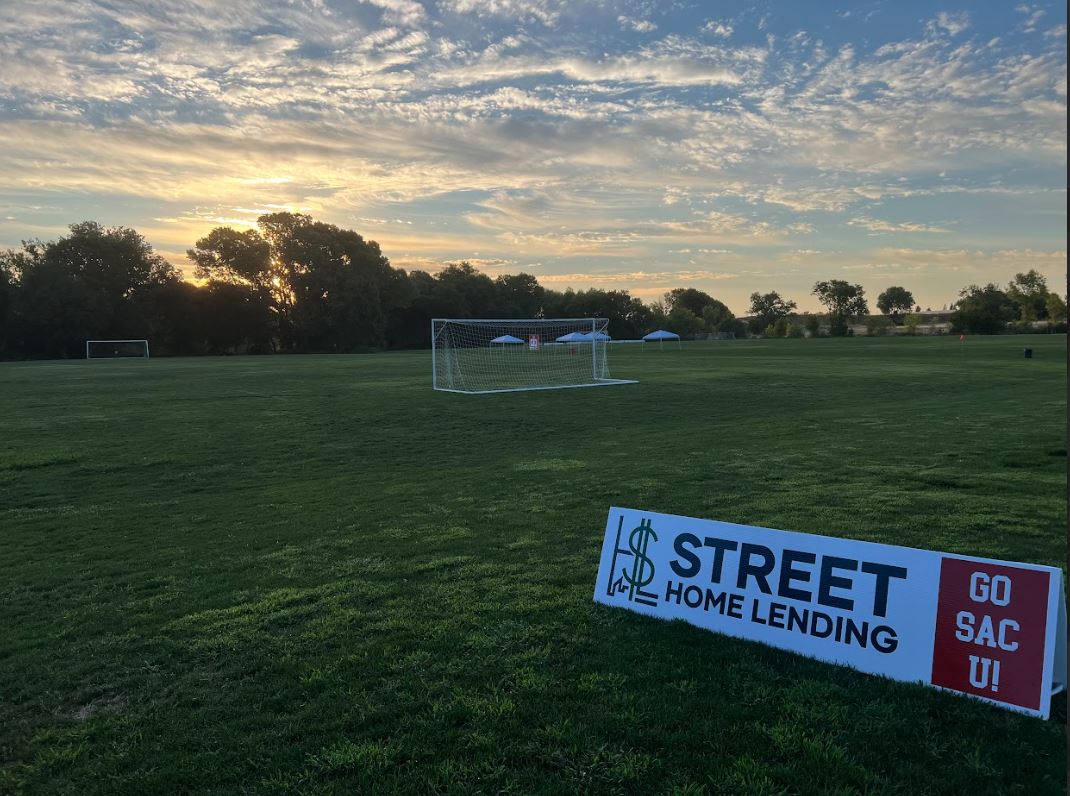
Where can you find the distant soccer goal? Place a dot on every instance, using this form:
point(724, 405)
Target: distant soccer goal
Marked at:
point(479, 356)
point(116, 349)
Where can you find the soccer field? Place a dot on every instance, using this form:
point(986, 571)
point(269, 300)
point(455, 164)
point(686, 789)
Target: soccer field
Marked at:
point(315, 574)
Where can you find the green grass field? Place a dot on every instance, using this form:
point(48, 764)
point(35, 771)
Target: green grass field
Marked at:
point(313, 574)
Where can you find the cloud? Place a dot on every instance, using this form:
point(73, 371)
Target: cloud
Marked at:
point(1033, 15)
point(638, 25)
point(636, 277)
point(954, 24)
point(718, 28)
point(459, 126)
point(546, 12)
point(878, 226)
point(399, 12)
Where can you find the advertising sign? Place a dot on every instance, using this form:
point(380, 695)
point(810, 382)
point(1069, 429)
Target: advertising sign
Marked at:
point(995, 630)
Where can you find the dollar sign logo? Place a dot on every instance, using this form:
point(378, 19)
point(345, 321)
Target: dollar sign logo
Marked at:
point(642, 567)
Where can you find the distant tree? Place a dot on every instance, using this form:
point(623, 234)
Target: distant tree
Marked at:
point(1030, 292)
point(684, 322)
point(53, 313)
point(175, 318)
point(894, 301)
point(1055, 306)
point(519, 295)
point(689, 298)
point(983, 310)
point(235, 320)
point(469, 292)
point(327, 288)
point(813, 325)
point(628, 316)
point(658, 315)
point(239, 257)
point(768, 308)
point(718, 318)
point(843, 300)
point(877, 325)
point(88, 283)
point(7, 296)
point(113, 262)
point(793, 330)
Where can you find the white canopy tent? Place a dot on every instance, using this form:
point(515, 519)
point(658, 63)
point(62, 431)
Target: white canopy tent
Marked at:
point(660, 336)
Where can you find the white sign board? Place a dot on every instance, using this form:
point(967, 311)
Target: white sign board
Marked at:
point(991, 629)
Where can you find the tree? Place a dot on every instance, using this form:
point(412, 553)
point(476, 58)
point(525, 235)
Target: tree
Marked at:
point(689, 298)
point(327, 288)
point(235, 257)
point(628, 316)
point(235, 319)
point(471, 293)
point(519, 295)
point(877, 326)
point(1054, 305)
point(684, 322)
point(894, 301)
point(242, 259)
point(88, 283)
point(911, 322)
point(7, 296)
point(1030, 292)
point(983, 310)
point(718, 318)
point(843, 301)
point(658, 315)
point(53, 312)
point(768, 308)
point(813, 325)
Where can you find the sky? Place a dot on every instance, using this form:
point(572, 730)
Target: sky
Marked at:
point(640, 145)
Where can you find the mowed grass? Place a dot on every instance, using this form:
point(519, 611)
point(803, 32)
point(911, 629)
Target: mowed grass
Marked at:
point(312, 574)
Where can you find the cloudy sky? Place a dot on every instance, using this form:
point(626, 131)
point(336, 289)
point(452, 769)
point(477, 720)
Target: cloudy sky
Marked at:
point(639, 144)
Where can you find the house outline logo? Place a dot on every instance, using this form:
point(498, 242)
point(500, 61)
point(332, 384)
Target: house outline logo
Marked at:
point(631, 569)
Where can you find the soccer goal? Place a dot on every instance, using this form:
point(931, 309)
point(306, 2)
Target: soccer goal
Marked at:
point(478, 356)
point(115, 349)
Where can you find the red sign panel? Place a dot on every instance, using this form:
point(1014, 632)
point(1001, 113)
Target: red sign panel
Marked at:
point(991, 623)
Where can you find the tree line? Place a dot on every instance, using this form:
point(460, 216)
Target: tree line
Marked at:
point(294, 284)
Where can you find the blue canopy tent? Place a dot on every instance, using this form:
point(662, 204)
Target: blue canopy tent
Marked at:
point(574, 337)
point(506, 339)
point(661, 336)
point(600, 336)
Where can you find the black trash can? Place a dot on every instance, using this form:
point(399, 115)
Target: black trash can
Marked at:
point(1029, 353)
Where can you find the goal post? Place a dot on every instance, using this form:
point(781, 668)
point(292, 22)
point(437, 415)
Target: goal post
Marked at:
point(512, 355)
point(116, 349)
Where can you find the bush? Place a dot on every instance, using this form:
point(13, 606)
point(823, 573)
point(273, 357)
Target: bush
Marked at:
point(878, 326)
point(770, 331)
point(911, 322)
point(813, 325)
point(793, 331)
point(780, 329)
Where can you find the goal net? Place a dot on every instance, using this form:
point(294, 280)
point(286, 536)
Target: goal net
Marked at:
point(477, 356)
point(115, 349)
